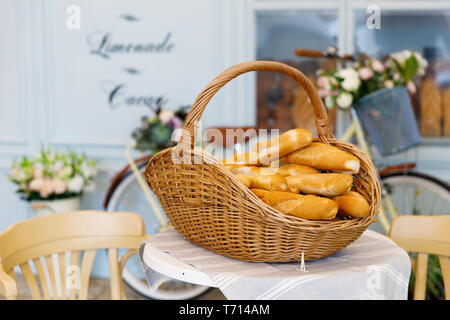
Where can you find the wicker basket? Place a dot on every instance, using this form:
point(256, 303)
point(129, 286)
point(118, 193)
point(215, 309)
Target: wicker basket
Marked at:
point(208, 206)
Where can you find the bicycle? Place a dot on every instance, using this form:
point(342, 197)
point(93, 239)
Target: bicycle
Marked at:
point(125, 193)
point(404, 191)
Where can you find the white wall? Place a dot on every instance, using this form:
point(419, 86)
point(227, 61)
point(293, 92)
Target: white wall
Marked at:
point(54, 91)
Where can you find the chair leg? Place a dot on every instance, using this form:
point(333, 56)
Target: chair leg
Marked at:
point(113, 258)
point(421, 276)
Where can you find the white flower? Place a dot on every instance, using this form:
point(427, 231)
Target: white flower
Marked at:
point(351, 79)
point(18, 174)
point(87, 170)
point(344, 100)
point(64, 173)
point(75, 184)
point(165, 115)
point(176, 135)
point(329, 102)
point(423, 64)
point(58, 165)
point(401, 56)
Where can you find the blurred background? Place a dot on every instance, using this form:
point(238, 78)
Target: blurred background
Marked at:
point(80, 75)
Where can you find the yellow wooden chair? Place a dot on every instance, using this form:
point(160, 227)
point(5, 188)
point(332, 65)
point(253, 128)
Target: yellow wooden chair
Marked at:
point(67, 238)
point(424, 235)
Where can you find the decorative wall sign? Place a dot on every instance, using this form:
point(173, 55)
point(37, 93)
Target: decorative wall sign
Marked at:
point(126, 59)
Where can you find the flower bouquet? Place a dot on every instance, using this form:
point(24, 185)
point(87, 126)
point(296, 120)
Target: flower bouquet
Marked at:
point(161, 131)
point(379, 93)
point(53, 177)
point(345, 87)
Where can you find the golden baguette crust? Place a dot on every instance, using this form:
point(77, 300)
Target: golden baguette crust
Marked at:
point(282, 145)
point(324, 184)
point(260, 193)
point(274, 182)
point(293, 169)
point(245, 180)
point(303, 206)
point(246, 159)
point(326, 157)
point(253, 171)
point(352, 204)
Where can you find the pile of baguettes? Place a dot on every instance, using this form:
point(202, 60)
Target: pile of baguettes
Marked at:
point(293, 174)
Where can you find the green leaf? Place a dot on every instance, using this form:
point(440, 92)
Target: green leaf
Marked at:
point(411, 68)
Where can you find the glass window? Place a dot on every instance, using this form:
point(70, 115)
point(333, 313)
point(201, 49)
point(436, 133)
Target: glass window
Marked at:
point(427, 32)
point(280, 103)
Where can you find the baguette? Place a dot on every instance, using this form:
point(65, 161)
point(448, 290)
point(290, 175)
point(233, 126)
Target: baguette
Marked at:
point(253, 171)
point(247, 159)
point(282, 145)
point(245, 180)
point(326, 157)
point(302, 206)
point(324, 184)
point(260, 193)
point(274, 182)
point(293, 169)
point(352, 204)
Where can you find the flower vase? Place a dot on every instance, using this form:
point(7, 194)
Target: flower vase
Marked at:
point(46, 207)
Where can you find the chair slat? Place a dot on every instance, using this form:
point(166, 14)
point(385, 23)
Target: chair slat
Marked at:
point(62, 273)
point(31, 280)
point(86, 267)
point(445, 268)
point(113, 258)
point(42, 279)
point(51, 273)
point(421, 276)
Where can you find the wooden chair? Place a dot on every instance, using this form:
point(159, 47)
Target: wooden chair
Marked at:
point(72, 239)
point(424, 235)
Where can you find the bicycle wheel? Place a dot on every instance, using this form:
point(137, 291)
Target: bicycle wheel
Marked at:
point(128, 196)
point(415, 193)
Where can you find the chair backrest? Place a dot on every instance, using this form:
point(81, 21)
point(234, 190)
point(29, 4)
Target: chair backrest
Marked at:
point(62, 248)
point(424, 235)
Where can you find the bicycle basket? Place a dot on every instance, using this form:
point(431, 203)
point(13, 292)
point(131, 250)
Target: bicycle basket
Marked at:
point(389, 121)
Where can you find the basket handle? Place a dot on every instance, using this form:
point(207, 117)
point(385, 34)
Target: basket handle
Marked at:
point(202, 100)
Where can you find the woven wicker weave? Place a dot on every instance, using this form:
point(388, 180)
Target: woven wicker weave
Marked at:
point(210, 207)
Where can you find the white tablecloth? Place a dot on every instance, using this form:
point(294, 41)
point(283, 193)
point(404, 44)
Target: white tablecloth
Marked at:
point(372, 267)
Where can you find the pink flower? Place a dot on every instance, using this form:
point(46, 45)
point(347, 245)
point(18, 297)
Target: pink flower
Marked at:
point(377, 65)
point(48, 188)
point(36, 184)
point(323, 92)
point(323, 82)
point(365, 73)
point(60, 186)
point(389, 84)
point(174, 123)
point(411, 87)
point(38, 172)
point(165, 116)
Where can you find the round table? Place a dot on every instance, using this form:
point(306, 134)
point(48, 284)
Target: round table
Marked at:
point(372, 267)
